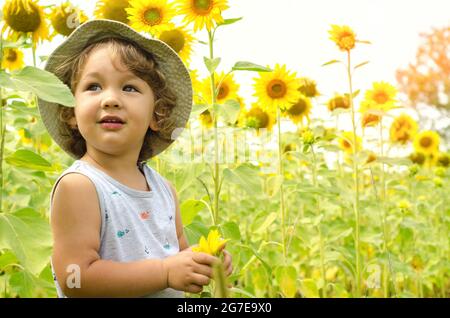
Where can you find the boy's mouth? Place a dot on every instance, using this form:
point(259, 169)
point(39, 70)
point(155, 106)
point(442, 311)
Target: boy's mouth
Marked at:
point(111, 122)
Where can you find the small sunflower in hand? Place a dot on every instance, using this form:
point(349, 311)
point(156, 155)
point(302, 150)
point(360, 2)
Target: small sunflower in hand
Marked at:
point(213, 245)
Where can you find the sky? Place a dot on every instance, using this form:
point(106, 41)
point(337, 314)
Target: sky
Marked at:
point(295, 33)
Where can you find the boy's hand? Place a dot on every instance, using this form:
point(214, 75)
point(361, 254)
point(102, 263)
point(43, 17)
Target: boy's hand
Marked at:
point(227, 262)
point(189, 271)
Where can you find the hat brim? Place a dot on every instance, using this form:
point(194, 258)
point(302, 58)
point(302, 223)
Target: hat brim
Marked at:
point(176, 73)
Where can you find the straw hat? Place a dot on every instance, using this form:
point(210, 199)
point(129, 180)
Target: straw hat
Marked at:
point(170, 64)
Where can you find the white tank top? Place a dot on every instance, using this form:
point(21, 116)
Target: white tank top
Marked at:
point(135, 224)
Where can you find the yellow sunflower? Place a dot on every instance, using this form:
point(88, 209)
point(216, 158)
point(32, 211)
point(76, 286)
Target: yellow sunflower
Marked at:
point(403, 129)
point(308, 87)
point(343, 36)
point(212, 245)
point(180, 40)
point(25, 17)
point(228, 87)
point(382, 96)
point(12, 59)
point(203, 13)
point(112, 10)
point(346, 142)
point(65, 18)
point(427, 142)
point(444, 160)
point(417, 157)
point(339, 101)
point(206, 119)
point(300, 110)
point(277, 89)
point(153, 16)
point(258, 118)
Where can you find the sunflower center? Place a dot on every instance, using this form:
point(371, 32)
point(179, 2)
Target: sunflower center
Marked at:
point(11, 56)
point(346, 144)
point(381, 97)
point(153, 16)
point(202, 7)
point(426, 142)
point(173, 38)
point(298, 108)
point(23, 17)
point(223, 91)
point(276, 88)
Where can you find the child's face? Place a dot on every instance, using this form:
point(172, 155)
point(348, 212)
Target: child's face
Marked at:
point(107, 88)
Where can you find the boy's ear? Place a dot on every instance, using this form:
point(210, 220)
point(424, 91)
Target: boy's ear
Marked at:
point(153, 125)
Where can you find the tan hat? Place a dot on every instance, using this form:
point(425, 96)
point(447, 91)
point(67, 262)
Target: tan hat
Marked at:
point(170, 64)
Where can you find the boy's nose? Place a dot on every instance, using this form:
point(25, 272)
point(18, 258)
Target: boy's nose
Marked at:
point(110, 101)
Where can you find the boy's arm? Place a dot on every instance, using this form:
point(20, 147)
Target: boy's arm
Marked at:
point(76, 232)
point(182, 241)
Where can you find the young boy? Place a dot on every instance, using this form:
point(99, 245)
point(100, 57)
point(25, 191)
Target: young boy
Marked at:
point(116, 222)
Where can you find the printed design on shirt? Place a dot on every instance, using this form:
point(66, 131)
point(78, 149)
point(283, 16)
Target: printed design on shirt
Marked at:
point(106, 215)
point(121, 234)
point(167, 245)
point(144, 215)
point(147, 250)
point(170, 217)
point(116, 193)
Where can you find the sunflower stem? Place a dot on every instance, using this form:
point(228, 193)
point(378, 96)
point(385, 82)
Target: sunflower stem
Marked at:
point(322, 245)
point(2, 144)
point(356, 182)
point(216, 141)
point(281, 173)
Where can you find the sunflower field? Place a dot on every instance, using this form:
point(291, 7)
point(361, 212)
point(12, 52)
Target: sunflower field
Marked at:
point(353, 203)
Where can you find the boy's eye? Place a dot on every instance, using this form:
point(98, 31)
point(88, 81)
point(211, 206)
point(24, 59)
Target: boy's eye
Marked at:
point(130, 88)
point(93, 87)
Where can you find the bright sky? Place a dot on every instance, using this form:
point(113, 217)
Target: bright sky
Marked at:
point(295, 33)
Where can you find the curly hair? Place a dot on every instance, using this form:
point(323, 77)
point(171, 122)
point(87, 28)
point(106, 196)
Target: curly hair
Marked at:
point(142, 64)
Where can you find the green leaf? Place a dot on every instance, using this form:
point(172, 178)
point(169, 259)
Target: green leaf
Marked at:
point(273, 185)
point(189, 209)
point(331, 62)
point(267, 222)
point(229, 110)
point(229, 21)
point(286, 277)
point(394, 161)
point(28, 159)
point(246, 176)
point(356, 93)
point(211, 64)
point(231, 231)
point(44, 84)
point(197, 109)
point(194, 231)
point(361, 64)
point(309, 289)
point(28, 236)
point(249, 66)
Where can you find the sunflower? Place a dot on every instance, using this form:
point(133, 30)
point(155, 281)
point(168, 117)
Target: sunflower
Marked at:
point(444, 160)
point(346, 142)
point(339, 101)
point(258, 118)
point(206, 119)
point(12, 59)
point(343, 36)
point(277, 89)
point(180, 40)
point(23, 17)
point(112, 10)
point(202, 12)
point(308, 87)
point(212, 245)
point(417, 157)
point(153, 16)
point(228, 88)
point(65, 18)
point(427, 142)
point(403, 129)
point(300, 110)
point(382, 96)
